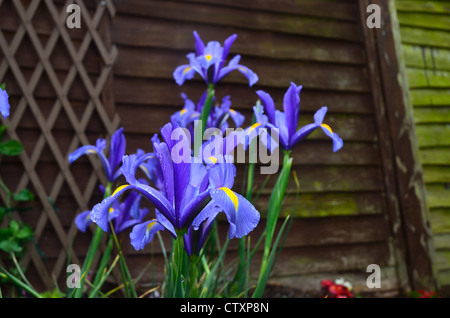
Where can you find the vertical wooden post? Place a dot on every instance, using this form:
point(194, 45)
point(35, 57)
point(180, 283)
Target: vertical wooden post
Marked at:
point(410, 186)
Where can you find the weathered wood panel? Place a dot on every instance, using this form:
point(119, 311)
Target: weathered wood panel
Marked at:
point(425, 35)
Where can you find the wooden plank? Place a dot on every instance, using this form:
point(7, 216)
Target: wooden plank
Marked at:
point(424, 20)
point(429, 115)
point(424, 57)
point(444, 277)
point(424, 78)
point(423, 6)
point(181, 11)
point(326, 205)
point(439, 174)
point(442, 240)
point(433, 135)
point(430, 97)
point(314, 179)
point(300, 261)
point(438, 196)
point(147, 92)
point(137, 32)
point(443, 259)
point(439, 156)
point(436, 38)
point(335, 10)
point(158, 64)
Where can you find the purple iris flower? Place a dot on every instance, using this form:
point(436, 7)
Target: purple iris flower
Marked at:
point(116, 151)
point(218, 117)
point(191, 192)
point(209, 63)
point(287, 121)
point(4, 104)
point(124, 214)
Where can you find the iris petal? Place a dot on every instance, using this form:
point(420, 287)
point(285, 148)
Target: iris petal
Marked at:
point(143, 233)
point(4, 104)
point(83, 220)
point(243, 217)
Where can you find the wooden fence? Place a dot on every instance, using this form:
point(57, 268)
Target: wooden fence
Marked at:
point(362, 205)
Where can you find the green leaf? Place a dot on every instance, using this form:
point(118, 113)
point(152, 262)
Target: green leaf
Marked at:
point(10, 246)
point(23, 196)
point(11, 148)
point(2, 130)
point(2, 212)
point(14, 226)
point(25, 233)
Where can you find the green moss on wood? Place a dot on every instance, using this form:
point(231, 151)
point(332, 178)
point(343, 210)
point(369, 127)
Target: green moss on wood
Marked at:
point(438, 196)
point(420, 78)
point(424, 115)
point(437, 7)
point(425, 57)
point(443, 259)
point(414, 35)
point(437, 174)
point(440, 156)
point(442, 241)
point(424, 20)
point(435, 135)
point(430, 97)
point(440, 220)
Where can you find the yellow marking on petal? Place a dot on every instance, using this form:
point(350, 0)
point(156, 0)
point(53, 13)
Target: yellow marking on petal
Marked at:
point(187, 69)
point(150, 225)
point(88, 216)
point(111, 210)
point(144, 168)
point(91, 151)
point(232, 196)
point(327, 127)
point(120, 188)
point(253, 127)
point(232, 111)
point(183, 111)
point(242, 69)
point(208, 57)
point(213, 159)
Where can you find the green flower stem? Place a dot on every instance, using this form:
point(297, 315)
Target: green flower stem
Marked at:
point(192, 283)
point(92, 250)
point(177, 273)
point(127, 281)
point(204, 115)
point(19, 283)
point(99, 277)
point(275, 202)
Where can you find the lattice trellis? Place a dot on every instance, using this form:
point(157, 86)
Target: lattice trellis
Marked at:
point(62, 106)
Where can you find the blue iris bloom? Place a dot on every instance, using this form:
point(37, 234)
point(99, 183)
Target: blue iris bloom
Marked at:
point(4, 104)
point(209, 63)
point(287, 121)
point(218, 117)
point(190, 193)
point(116, 152)
point(123, 215)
